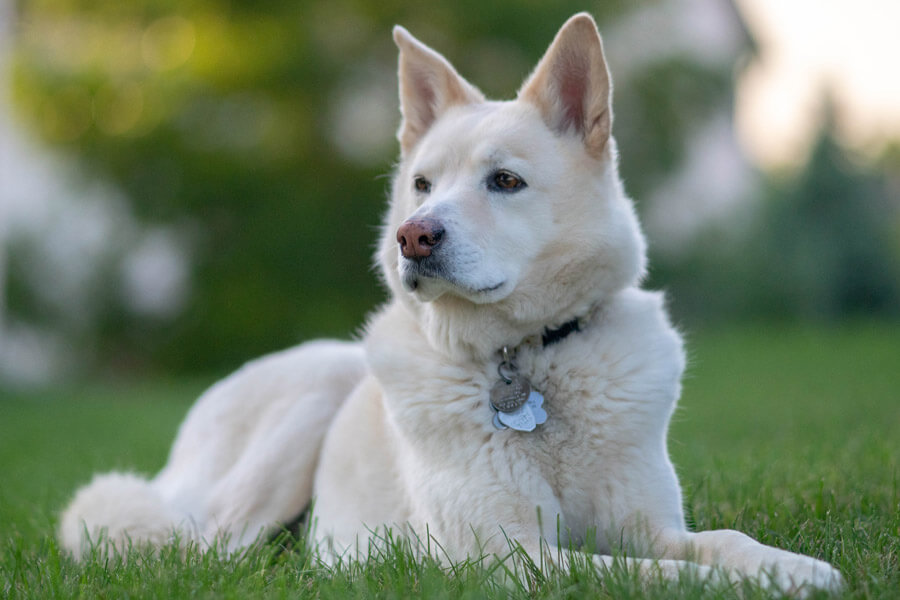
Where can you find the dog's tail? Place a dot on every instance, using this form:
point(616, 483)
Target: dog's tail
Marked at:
point(114, 512)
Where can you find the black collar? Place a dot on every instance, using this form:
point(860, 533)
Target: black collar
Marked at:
point(551, 336)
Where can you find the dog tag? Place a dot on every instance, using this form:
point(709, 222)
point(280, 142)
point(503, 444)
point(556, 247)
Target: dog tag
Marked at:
point(536, 403)
point(509, 396)
point(526, 418)
point(496, 422)
point(520, 420)
point(516, 405)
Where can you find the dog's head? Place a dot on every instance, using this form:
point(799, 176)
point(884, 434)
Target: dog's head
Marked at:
point(507, 217)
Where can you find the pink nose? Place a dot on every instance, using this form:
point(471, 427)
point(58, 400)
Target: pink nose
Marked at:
point(418, 237)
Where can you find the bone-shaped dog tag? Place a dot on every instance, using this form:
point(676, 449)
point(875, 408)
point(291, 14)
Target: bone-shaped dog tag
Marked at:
point(521, 419)
point(536, 403)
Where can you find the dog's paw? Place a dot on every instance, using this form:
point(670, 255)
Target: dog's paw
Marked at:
point(798, 576)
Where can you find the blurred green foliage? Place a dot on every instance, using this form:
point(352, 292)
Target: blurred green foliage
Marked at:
point(217, 117)
point(824, 247)
point(235, 123)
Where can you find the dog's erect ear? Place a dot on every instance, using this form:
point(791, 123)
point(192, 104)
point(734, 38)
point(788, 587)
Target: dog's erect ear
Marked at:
point(429, 85)
point(571, 84)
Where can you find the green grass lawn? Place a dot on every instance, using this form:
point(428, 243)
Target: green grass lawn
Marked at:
point(792, 436)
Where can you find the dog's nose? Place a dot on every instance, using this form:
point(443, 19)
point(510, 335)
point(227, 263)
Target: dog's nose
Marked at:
point(418, 237)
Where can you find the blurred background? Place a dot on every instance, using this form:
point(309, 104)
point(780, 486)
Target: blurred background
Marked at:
point(186, 185)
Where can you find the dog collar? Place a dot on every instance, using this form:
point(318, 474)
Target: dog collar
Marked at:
point(552, 336)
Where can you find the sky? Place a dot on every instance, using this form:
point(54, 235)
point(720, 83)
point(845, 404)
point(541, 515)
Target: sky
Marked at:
point(851, 48)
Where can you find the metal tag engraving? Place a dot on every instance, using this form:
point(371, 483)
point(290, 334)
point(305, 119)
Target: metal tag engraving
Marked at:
point(509, 395)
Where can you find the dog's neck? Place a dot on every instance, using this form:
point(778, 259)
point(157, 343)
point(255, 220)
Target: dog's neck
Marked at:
point(477, 333)
point(555, 334)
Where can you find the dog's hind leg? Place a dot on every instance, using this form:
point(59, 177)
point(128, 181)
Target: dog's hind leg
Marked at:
point(243, 461)
point(271, 482)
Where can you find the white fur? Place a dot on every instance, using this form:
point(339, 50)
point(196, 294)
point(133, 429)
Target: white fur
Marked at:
point(242, 462)
point(412, 449)
point(117, 508)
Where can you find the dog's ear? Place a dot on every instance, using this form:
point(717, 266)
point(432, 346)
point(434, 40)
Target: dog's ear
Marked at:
point(429, 85)
point(571, 84)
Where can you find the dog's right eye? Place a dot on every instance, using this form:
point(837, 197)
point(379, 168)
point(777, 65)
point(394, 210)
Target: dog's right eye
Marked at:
point(421, 184)
point(505, 181)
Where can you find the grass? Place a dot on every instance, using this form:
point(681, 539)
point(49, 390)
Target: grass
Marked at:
point(790, 435)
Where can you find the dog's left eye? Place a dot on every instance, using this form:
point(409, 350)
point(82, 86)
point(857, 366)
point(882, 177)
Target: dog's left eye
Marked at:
point(421, 184)
point(506, 181)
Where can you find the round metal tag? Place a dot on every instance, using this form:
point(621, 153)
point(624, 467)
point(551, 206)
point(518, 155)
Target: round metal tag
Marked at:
point(509, 396)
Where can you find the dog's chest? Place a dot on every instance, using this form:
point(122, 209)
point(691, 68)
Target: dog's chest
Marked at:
point(582, 421)
point(608, 393)
point(580, 394)
point(594, 401)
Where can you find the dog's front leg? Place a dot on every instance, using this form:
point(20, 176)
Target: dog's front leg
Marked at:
point(742, 556)
point(543, 556)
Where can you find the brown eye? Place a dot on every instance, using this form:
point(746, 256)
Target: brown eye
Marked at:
point(505, 181)
point(421, 184)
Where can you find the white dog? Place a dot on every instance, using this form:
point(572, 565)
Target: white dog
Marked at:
point(517, 385)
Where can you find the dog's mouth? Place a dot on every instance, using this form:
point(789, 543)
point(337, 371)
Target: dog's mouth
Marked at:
point(430, 280)
point(412, 273)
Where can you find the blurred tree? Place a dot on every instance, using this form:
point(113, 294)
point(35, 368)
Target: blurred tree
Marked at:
point(824, 246)
point(829, 237)
point(259, 132)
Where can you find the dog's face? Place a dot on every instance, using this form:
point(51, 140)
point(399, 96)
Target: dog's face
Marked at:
point(475, 204)
point(512, 205)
